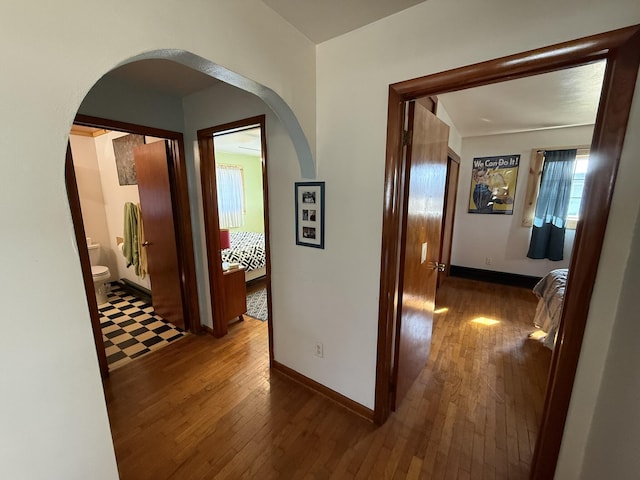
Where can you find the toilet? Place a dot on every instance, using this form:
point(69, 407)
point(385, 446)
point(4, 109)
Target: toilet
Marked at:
point(100, 273)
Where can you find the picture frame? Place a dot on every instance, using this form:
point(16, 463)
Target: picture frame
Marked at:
point(125, 163)
point(309, 201)
point(493, 184)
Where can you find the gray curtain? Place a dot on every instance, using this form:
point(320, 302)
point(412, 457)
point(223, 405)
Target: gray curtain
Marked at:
point(549, 223)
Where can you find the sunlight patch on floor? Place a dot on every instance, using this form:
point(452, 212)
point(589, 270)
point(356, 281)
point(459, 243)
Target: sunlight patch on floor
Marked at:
point(485, 321)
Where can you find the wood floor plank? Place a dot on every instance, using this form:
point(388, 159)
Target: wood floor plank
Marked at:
point(205, 408)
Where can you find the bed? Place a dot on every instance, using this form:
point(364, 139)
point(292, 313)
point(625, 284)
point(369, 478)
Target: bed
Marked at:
point(247, 249)
point(550, 291)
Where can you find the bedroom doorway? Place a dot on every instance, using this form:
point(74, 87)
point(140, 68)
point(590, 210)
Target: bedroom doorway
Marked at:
point(233, 171)
point(619, 48)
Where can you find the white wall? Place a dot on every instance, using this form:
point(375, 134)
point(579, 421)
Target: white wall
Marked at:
point(616, 421)
point(299, 308)
point(115, 196)
point(94, 219)
point(353, 74)
point(115, 99)
point(53, 403)
point(502, 238)
point(53, 406)
point(455, 139)
point(102, 199)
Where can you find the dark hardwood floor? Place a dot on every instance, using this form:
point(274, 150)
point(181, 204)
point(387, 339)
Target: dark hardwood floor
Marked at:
point(208, 408)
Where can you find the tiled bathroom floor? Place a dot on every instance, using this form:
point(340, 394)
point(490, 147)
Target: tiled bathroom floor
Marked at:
point(130, 328)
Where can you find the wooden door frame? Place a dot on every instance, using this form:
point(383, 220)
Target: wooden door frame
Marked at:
point(212, 221)
point(182, 219)
point(87, 278)
point(621, 49)
point(452, 157)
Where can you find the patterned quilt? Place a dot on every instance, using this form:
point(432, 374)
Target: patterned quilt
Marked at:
point(247, 249)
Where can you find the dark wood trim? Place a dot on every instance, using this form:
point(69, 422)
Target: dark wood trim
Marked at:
point(180, 196)
point(606, 148)
point(621, 49)
point(389, 262)
point(448, 214)
point(533, 62)
point(453, 155)
point(135, 289)
point(118, 126)
point(267, 236)
point(83, 253)
point(212, 222)
point(208, 329)
point(340, 399)
point(491, 276)
point(212, 233)
point(184, 235)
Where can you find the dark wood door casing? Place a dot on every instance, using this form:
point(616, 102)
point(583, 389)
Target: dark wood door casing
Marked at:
point(156, 205)
point(621, 49)
point(184, 238)
point(212, 221)
point(449, 212)
point(83, 253)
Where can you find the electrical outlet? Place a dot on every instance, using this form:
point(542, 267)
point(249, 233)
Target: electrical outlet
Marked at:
point(487, 261)
point(319, 351)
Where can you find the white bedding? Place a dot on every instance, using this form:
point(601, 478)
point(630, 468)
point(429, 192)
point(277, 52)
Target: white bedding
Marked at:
point(550, 291)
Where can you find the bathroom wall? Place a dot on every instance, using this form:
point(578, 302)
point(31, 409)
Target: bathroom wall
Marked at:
point(115, 196)
point(85, 162)
point(252, 175)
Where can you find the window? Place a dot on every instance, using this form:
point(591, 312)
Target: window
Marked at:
point(230, 186)
point(577, 185)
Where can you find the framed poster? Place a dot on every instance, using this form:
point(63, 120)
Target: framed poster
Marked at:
point(493, 184)
point(125, 163)
point(310, 214)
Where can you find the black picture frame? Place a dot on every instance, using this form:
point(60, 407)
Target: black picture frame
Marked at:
point(309, 197)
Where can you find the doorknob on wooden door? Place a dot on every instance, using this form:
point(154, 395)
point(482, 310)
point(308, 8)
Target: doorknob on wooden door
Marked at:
point(440, 267)
point(146, 243)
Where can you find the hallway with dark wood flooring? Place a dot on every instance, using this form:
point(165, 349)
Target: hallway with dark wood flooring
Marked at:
point(207, 408)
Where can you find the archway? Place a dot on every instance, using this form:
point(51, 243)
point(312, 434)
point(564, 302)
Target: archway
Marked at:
point(266, 94)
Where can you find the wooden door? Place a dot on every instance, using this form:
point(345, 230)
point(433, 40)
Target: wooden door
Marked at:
point(426, 158)
point(156, 205)
point(449, 210)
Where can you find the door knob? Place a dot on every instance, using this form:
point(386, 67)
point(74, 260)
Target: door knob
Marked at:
point(146, 244)
point(440, 267)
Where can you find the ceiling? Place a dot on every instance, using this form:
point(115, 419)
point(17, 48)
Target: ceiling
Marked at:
point(552, 100)
point(245, 142)
point(559, 99)
point(321, 20)
point(163, 76)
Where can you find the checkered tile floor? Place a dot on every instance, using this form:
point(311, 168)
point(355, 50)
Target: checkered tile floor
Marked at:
point(130, 329)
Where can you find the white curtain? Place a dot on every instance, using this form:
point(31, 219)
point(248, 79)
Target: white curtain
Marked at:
point(230, 196)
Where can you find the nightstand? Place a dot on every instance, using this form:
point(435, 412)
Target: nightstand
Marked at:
point(235, 294)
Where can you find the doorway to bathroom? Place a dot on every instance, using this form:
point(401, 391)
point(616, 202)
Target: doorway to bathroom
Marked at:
point(131, 198)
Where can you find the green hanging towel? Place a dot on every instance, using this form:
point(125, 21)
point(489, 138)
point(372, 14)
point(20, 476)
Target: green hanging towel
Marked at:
point(130, 248)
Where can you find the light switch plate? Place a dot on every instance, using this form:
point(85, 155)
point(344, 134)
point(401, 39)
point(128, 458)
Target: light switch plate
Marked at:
point(423, 256)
